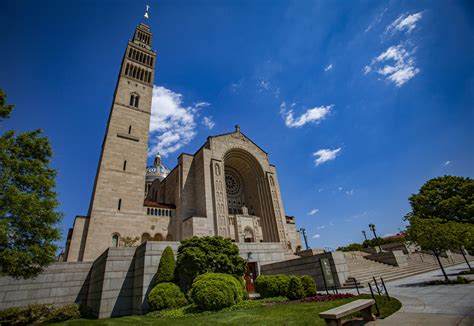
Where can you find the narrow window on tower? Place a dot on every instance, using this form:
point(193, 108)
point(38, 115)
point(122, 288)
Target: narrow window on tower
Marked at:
point(137, 98)
point(125, 165)
point(151, 61)
point(126, 69)
point(132, 99)
point(129, 130)
point(119, 204)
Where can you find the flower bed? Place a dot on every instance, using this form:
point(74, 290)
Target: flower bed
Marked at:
point(327, 297)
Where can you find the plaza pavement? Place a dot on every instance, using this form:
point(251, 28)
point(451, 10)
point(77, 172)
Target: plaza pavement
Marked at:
point(431, 305)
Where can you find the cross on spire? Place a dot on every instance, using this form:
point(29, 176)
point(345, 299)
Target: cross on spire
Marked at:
point(146, 12)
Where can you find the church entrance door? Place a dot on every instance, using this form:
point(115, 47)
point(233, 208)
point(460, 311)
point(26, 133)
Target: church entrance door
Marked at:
point(250, 277)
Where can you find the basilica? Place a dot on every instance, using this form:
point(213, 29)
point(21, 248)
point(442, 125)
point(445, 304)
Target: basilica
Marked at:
point(227, 188)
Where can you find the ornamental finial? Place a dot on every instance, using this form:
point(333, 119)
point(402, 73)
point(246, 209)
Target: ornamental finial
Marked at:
point(146, 12)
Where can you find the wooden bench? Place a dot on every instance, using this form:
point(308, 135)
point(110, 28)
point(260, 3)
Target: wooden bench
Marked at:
point(334, 316)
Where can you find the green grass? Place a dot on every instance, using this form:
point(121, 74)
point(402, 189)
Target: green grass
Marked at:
point(277, 314)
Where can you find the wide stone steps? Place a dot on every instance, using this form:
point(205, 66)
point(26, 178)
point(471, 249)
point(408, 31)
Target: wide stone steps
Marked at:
point(363, 270)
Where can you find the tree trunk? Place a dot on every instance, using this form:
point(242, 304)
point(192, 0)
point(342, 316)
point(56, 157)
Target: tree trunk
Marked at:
point(441, 265)
point(467, 262)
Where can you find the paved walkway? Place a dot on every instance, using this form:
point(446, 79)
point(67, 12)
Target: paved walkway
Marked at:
point(434, 304)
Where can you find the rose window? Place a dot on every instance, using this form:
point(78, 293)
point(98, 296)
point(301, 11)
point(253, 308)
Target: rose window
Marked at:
point(232, 184)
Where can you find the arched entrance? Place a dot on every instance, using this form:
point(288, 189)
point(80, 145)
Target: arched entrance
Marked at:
point(246, 187)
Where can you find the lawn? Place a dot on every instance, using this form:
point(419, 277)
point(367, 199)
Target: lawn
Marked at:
point(277, 314)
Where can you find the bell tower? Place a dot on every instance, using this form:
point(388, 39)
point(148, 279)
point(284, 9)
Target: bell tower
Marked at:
point(117, 197)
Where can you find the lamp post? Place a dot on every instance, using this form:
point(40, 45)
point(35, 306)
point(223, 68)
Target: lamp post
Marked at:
point(372, 228)
point(303, 231)
point(365, 235)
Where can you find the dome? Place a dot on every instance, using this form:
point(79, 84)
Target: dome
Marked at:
point(157, 170)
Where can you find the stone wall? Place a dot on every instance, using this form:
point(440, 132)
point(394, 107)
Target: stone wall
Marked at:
point(59, 284)
point(394, 258)
point(310, 265)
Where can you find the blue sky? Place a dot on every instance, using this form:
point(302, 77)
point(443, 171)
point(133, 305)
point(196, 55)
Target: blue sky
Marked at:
point(357, 103)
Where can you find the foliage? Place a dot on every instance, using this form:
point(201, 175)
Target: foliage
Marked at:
point(458, 280)
point(200, 255)
point(38, 313)
point(295, 288)
point(166, 295)
point(214, 291)
point(5, 109)
point(272, 285)
point(167, 266)
point(66, 312)
point(309, 285)
point(351, 247)
point(129, 241)
point(274, 299)
point(28, 203)
point(467, 272)
point(449, 198)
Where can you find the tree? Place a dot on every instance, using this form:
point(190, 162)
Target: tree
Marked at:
point(199, 255)
point(28, 203)
point(464, 239)
point(448, 197)
point(167, 266)
point(434, 235)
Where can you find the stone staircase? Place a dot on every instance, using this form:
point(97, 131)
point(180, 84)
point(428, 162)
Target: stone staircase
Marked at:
point(363, 270)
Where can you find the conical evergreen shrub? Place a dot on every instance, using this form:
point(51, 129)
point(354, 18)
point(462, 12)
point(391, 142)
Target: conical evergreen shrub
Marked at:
point(166, 267)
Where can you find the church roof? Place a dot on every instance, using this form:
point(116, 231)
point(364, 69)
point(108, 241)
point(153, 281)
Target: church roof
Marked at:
point(237, 131)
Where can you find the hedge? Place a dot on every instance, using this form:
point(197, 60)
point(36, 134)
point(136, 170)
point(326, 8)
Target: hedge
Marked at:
point(166, 295)
point(309, 285)
point(167, 266)
point(272, 285)
point(214, 291)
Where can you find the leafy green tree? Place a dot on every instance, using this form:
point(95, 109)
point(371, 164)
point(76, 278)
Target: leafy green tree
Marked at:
point(167, 266)
point(464, 238)
point(200, 255)
point(351, 247)
point(28, 217)
point(434, 235)
point(450, 198)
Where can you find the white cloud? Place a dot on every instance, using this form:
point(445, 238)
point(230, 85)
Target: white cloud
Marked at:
point(405, 22)
point(314, 115)
point(447, 163)
point(321, 227)
point(350, 192)
point(376, 20)
point(313, 211)
point(316, 236)
point(397, 64)
point(325, 155)
point(329, 67)
point(264, 85)
point(208, 122)
point(320, 189)
point(340, 188)
point(171, 124)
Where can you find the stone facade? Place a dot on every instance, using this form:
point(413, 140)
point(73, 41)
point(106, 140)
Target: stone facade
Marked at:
point(227, 188)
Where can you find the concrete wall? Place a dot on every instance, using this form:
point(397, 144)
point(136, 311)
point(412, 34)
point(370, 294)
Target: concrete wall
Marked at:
point(394, 258)
point(59, 284)
point(310, 266)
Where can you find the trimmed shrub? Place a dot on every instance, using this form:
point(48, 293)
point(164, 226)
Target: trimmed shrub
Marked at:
point(66, 312)
point(167, 267)
point(309, 285)
point(295, 288)
point(166, 295)
point(214, 291)
point(272, 285)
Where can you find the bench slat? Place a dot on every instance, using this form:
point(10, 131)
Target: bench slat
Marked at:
point(346, 309)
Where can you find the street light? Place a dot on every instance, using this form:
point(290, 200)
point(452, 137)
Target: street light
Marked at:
point(303, 231)
point(365, 235)
point(372, 228)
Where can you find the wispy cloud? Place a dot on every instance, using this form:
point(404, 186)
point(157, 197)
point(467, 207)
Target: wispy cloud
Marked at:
point(313, 211)
point(328, 67)
point(172, 125)
point(396, 64)
point(405, 22)
point(263, 85)
point(314, 115)
point(316, 236)
point(208, 122)
point(447, 163)
point(377, 20)
point(350, 192)
point(321, 227)
point(325, 155)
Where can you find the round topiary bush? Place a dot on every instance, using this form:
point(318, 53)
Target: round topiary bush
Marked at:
point(309, 285)
point(166, 295)
point(214, 291)
point(272, 285)
point(295, 288)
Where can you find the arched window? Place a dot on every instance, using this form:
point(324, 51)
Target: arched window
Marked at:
point(134, 100)
point(159, 212)
point(126, 69)
point(169, 237)
point(115, 240)
point(148, 211)
point(145, 237)
point(158, 237)
point(248, 235)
